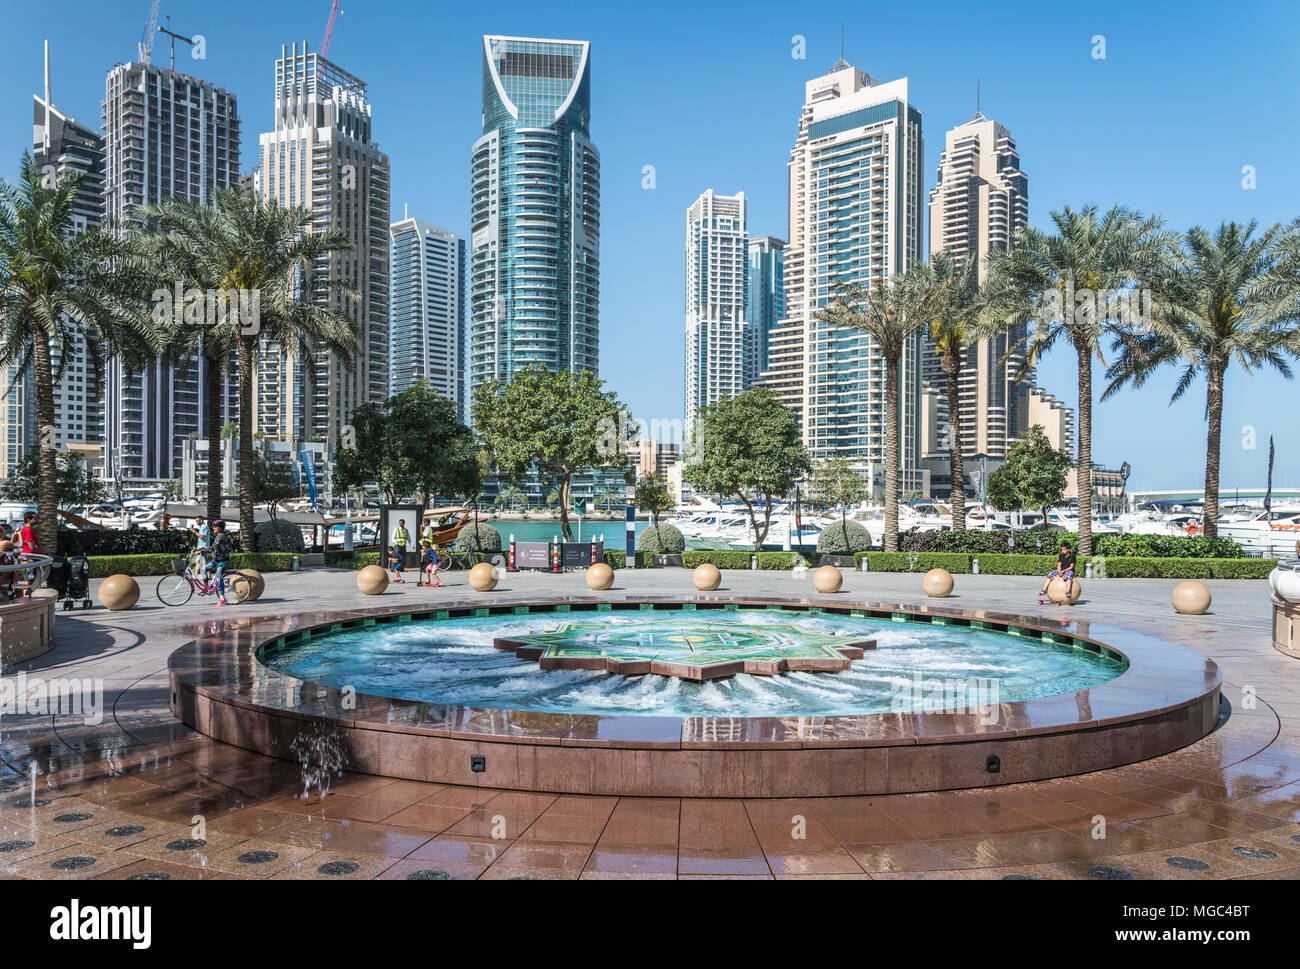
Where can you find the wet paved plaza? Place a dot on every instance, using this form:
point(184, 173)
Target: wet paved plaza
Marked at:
point(141, 796)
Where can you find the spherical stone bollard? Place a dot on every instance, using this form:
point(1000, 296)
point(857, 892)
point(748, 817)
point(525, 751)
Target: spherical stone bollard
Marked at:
point(600, 577)
point(256, 584)
point(827, 579)
point(706, 577)
point(1062, 594)
point(372, 580)
point(937, 583)
point(1190, 598)
point(483, 577)
point(119, 592)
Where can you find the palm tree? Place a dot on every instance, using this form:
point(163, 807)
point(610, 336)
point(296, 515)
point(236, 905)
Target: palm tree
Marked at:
point(1224, 297)
point(955, 319)
point(891, 313)
point(1073, 286)
point(510, 496)
point(181, 259)
point(611, 496)
point(263, 250)
point(59, 290)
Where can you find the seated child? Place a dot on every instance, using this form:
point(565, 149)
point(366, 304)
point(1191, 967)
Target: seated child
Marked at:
point(396, 562)
point(1065, 563)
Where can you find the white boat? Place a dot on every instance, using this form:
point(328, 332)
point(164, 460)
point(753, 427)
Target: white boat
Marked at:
point(1267, 534)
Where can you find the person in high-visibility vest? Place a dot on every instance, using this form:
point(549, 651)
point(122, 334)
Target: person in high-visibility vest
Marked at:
point(426, 534)
point(401, 537)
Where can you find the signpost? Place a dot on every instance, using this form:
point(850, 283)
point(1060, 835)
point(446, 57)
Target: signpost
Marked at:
point(631, 524)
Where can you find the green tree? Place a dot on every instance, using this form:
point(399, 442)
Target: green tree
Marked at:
point(654, 498)
point(749, 447)
point(73, 485)
point(836, 482)
point(1034, 475)
point(1224, 297)
point(892, 312)
point(195, 340)
point(956, 317)
point(556, 423)
point(1073, 286)
point(361, 464)
point(273, 482)
point(293, 304)
point(60, 290)
point(414, 444)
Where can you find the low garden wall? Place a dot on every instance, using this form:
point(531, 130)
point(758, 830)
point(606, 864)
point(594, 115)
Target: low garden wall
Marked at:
point(27, 626)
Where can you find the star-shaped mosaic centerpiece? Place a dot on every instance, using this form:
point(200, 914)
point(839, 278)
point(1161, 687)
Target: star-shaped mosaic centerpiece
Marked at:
point(689, 649)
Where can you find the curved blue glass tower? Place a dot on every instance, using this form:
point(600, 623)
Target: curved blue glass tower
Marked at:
point(534, 283)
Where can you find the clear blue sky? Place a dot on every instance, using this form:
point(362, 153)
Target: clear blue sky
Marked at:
point(709, 94)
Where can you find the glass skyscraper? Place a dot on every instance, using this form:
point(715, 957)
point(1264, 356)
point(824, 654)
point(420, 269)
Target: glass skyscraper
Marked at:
point(718, 344)
point(765, 302)
point(534, 282)
point(427, 311)
point(855, 217)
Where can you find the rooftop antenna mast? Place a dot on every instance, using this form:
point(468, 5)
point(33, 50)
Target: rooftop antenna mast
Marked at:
point(175, 37)
point(329, 29)
point(47, 97)
point(145, 47)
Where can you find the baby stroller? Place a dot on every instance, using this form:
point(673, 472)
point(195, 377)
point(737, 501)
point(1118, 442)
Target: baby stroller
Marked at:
point(78, 588)
point(69, 577)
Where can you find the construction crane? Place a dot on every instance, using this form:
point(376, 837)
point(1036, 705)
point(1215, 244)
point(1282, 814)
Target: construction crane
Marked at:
point(329, 29)
point(175, 37)
point(146, 45)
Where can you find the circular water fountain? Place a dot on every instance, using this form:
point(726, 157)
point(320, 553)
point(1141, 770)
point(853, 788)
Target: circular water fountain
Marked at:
point(741, 663)
point(706, 696)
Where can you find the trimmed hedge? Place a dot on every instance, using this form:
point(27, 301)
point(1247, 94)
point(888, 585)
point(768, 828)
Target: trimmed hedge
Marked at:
point(1123, 567)
point(278, 536)
point(1116, 567)
point(1022, 564)
point(843, 538)
point(1048, 542)
point(488, 538)
point(916, 562)
point(135, 542)
point(102, 566)
point(665, 539)
point(740, 559)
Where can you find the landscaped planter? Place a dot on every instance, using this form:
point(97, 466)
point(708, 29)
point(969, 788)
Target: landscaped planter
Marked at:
point(1285, 582)
point(669, 561)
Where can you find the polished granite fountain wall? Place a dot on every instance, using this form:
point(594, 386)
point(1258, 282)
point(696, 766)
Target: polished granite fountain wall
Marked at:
point(1168, 698)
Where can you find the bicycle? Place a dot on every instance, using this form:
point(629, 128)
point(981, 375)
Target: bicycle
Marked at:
point(444, 553)
point(179, 587)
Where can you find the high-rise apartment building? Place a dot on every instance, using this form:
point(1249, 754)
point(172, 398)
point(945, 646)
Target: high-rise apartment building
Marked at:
point(719, 353)
point(59, 146)
point(855, 218)
point(322, 156)
point(166, 135)
point(427, 312)
point(534, 281)
point(765, 307)
point(979, 201)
